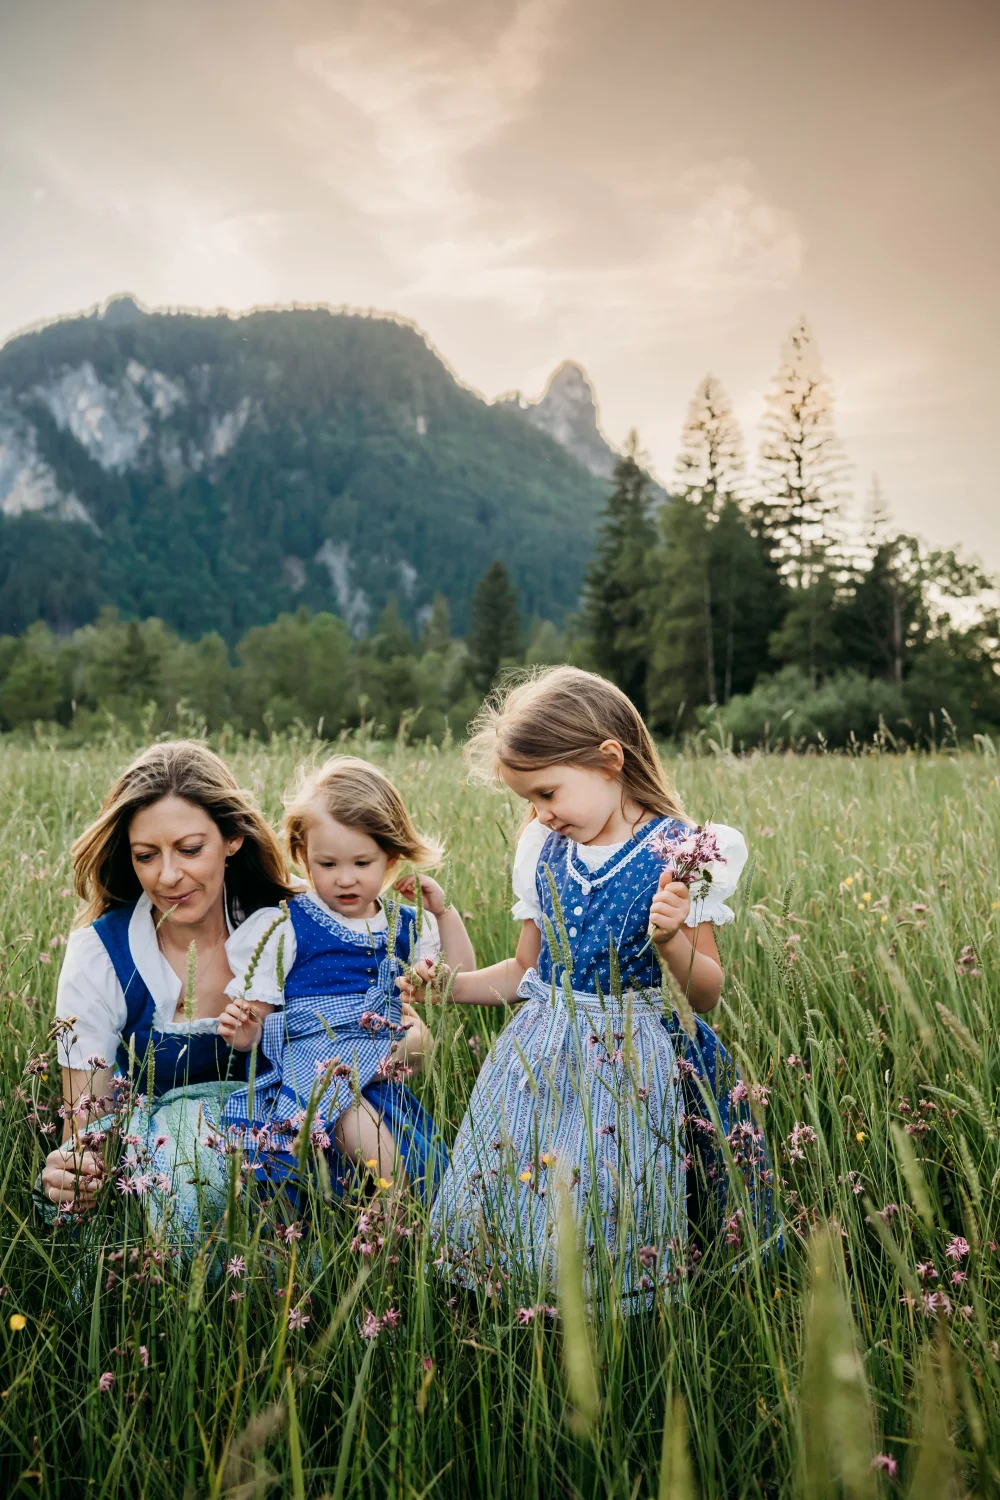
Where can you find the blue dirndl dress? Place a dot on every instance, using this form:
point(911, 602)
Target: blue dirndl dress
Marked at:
point(341, 1007)
point(178, 1081)
point(590, 1084)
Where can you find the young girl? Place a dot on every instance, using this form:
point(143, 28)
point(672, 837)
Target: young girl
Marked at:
point(589, 1084)
point(322, 999)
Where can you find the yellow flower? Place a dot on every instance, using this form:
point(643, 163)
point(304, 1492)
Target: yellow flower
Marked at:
point(859, 1135)
point(849, 881)
point(866, 896)
point(371, 1165)
point(17, 1322)
point(547, 1158)
point(383, 1182)
point(525, 1175)
point(861, 906)
point(884, 917)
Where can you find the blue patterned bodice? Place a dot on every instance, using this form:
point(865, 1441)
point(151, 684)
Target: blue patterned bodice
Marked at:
point(179, 1057)
point(602, 909)
point(333, 960)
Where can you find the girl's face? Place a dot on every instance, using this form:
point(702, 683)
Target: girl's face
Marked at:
point(581, 802)
point(179, 855)
point(346, 868)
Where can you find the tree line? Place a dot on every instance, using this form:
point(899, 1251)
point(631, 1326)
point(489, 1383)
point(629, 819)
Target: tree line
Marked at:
point(746, 606)
point(753, 605)
point(302, 669)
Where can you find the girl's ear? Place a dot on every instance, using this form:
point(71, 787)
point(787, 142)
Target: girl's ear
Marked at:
point(614, 757)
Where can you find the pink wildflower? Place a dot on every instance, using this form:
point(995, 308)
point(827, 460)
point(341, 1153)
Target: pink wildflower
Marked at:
point(391, 1318)
point(927, 1270)
point(526, 1315)
point(237, 1266)
point(371, 1327)
point(689, 857)
point(888, 1465)
point(144, 1356)
point(106, 1381)
point(958, 1248)
point(297, 1319)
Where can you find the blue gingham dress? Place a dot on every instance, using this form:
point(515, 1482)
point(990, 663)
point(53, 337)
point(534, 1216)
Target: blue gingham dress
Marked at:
point(339, 976)
point(590, 1084)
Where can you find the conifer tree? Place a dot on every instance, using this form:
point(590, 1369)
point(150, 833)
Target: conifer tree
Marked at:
point(803, 469)
point(437, 631)
point(711, 463)
point(802, 464)
point(496, 626)
point(710, 472)
point(618, 591)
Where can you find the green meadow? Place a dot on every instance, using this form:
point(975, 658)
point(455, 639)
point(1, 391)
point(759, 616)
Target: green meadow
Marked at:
point(862, 994)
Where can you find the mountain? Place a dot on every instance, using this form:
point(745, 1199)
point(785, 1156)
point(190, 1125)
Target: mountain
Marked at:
point(567, 412)
point(214, 470)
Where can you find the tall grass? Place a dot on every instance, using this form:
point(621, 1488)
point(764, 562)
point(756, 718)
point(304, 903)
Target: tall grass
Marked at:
point(862, 993)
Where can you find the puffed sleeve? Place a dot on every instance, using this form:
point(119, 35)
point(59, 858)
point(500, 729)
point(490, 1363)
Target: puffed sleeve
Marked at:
point(428, 944)
point(89, 994)
point(241, 947)
point(529, 847)
point(726, 874)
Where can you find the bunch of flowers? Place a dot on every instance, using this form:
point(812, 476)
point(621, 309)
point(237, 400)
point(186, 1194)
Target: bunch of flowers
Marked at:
point(689, 856)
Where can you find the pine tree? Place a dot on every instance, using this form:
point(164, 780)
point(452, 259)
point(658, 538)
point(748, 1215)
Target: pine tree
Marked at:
point(711, 464)
point(803, 469)
point(710, 471)
point(437, 631)
point(802, 464)
point(617, 594)
point(496, 626)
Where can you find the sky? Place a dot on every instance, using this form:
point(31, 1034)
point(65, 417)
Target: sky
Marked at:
point(656, 189)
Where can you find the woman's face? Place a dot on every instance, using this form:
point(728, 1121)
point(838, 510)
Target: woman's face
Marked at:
point(179, 855)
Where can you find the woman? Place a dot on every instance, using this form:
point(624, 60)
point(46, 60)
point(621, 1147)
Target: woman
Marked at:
point(177, 858)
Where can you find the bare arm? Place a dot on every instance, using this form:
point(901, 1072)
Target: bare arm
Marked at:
point(72, 1176)
point(456, 945)
point(693, 959)
point(496, 985)
point(691, 954)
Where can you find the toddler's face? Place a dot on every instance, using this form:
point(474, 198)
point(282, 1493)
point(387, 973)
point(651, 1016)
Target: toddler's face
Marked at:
point(347, 869)
point(577, 801)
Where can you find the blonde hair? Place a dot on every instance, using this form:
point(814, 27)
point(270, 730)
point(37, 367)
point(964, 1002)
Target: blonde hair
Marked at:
point(356, 793)
point(562, 716)
point(103, 873)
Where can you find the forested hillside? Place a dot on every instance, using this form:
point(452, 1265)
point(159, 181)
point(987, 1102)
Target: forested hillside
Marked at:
point(215, 471)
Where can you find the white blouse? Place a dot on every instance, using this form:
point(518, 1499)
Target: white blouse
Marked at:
point(708, 908)
point(264, 985)
point(89, 990)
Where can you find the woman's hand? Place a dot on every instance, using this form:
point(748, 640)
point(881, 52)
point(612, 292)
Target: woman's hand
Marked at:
point(72, 1176)
point(419, 983)
point(239, 1026)
point(669, 910)
point(431, 893)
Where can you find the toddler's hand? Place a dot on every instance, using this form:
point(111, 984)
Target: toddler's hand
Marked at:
point(430, 893)
point(239, 1026)
point(669, 909)
point(417, 985)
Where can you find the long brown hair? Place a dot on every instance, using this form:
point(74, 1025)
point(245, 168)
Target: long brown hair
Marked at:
point(562, 716)
point(103, 873)
point(356, 793)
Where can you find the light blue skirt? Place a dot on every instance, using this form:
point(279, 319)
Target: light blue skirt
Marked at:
point(582, 1091)
point(171, 1164)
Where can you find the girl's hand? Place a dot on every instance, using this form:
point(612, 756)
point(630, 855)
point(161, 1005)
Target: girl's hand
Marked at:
point(669, 909)
point(430, 893)
point(239, 1026)
point(72, 1176)
point(417, 985)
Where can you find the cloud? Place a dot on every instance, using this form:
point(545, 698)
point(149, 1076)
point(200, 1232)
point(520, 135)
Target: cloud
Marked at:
point(429, 99)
